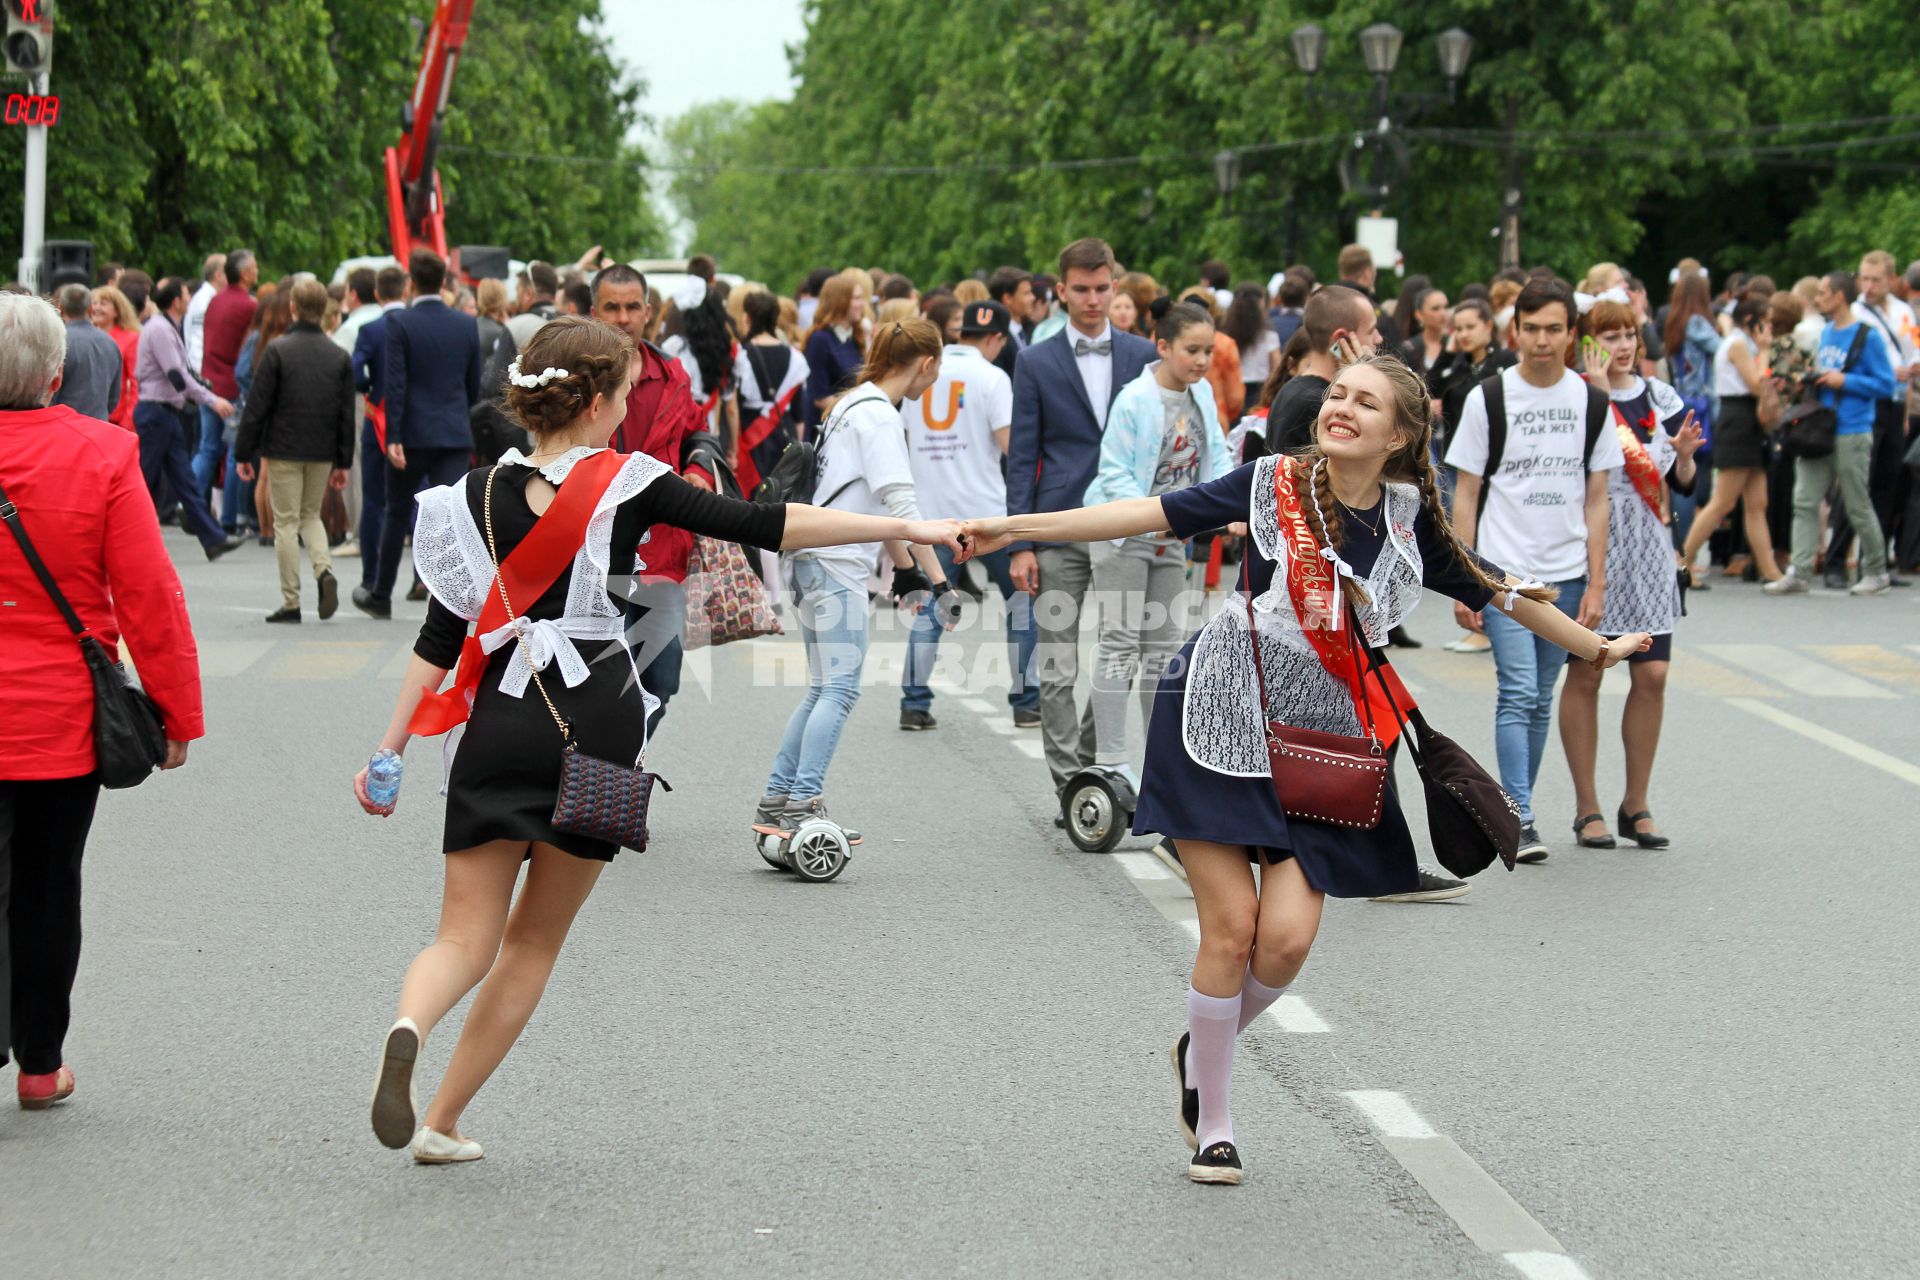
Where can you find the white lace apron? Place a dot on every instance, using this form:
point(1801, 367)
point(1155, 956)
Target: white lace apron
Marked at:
point(450, 555)
point(1643, 588)
point(1220, 723)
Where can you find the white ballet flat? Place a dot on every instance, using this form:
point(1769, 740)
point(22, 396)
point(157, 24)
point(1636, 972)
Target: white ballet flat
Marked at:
point(394, 1106)
point(433, 1147)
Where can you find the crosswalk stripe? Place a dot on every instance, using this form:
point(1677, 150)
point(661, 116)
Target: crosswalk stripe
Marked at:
point(1695, 673)
point(1876, 662)
point(221, 659)
point(1798, 673)
point(324, 659)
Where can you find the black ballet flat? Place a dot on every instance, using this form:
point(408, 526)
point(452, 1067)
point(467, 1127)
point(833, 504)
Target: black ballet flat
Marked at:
point(1189, 1098)
point(1645, 839)
point(1219, 1164)
point(1586, 841)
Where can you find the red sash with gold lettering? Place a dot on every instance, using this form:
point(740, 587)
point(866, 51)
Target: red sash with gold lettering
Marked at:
point(529, 569)
point(1646, 477)
point(1314, 588)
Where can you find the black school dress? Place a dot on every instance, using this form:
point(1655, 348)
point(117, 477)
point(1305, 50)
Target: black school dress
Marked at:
point(1182, 799)
point(506, 770)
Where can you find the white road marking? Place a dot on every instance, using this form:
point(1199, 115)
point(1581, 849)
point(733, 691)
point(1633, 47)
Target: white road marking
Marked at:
point(1546, 1266)
point(1478, 1205)
point(1143, 866)
point(979, 706)
point(1391, 1113)
point(1796, 672)
point(1293, 1014)
point(1002, 727)
point(1031, 747)
point(1193, 930)
point(1901, 769)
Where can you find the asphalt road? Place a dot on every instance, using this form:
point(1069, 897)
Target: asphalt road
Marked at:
point(953, 1059)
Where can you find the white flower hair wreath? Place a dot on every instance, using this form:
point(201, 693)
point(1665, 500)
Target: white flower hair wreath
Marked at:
point(533, 380)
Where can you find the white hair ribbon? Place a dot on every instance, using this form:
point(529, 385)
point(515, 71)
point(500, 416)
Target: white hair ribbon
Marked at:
point(1505, 599)
point(533, 380)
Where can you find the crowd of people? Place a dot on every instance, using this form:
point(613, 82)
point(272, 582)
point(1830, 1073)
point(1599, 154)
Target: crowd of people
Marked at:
point(1552, 454)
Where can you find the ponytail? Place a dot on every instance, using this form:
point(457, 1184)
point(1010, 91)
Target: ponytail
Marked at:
point(899, 343)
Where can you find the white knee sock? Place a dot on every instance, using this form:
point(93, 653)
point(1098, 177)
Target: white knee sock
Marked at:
point(1213, 1022)
point(1256, 998)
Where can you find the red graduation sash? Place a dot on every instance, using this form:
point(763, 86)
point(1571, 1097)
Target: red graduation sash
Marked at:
point(529, 569)
point(1646, 477)
point(1314, 588)
point(755, 435)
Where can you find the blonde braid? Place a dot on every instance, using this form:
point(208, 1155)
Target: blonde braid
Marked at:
point(1330, 532)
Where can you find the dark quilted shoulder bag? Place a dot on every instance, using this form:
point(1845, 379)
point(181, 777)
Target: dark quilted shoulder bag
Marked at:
point(598, 799)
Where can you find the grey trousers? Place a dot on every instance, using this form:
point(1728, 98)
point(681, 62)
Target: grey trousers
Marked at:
point(1066, 729)
point(1138, 597)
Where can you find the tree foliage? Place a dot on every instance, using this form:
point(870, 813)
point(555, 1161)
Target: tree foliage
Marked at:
point(1613, 101)
point(199, 126)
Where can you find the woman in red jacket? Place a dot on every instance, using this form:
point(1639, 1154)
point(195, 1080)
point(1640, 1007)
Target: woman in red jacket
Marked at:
point(74, 485)
point(114, 314)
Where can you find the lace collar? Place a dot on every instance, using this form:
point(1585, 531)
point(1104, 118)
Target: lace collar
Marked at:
point(554, 471)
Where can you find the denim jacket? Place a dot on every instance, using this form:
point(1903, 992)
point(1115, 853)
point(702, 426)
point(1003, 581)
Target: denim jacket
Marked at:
point(1136, 427)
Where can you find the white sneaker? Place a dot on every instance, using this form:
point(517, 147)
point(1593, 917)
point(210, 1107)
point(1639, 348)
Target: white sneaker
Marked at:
point(1472, 642)
point(1877, 585)
point(1788, 584)
point(431, 1147)
point(346, 550)
point(394, 1106)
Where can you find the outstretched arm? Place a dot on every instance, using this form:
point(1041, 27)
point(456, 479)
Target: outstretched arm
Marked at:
point(1127, 518)
point(1547, 622)
point(826, 527)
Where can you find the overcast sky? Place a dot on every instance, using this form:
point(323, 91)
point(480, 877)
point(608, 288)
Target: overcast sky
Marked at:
point(695, 50)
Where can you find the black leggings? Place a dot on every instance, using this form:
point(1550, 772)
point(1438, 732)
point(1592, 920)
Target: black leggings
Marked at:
point(43, 832)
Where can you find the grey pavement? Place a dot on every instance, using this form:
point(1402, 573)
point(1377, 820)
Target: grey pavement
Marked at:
point(953, 1059)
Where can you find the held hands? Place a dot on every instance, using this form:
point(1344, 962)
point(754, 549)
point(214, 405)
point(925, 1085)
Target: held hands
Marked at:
point(982, 537)
point(936, 533)
point(1619, 650)
point(366, 801)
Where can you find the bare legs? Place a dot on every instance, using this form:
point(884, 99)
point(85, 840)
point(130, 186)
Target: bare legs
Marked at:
point(1266, 931)
point(1730, 486)
point(1639, 734)
point(484, 935)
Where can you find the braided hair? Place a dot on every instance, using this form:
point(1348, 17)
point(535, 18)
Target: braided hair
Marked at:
point(1410, 463)
point(595, 357)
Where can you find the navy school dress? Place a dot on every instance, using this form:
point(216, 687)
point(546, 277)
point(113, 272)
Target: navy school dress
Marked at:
point(1184, 800)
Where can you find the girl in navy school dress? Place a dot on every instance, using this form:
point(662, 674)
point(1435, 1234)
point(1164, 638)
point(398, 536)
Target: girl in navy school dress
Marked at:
point(1365, 496)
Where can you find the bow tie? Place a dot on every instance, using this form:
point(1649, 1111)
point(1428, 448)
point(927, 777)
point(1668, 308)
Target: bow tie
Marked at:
point(1086, 347)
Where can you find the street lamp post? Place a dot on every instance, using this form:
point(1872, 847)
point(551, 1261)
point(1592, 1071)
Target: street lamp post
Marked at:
point(1377, 160)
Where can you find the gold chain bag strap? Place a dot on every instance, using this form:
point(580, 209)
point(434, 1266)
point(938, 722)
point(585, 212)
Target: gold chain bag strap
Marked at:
point(598, 798)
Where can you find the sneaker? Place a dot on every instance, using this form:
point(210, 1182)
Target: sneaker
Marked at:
point(1189, 1098)
point(329, 595)
point(1472, 642)
point(1026, 718)
point(798, 811)
point(1877, 584)
point(1434, 887)
point(1219, 1164)
point(394, 1107)
point(1787, 584)
point(914, 720)
point(38, 1092)
point(767, 814)
point(348, 550)
point(1532, 847)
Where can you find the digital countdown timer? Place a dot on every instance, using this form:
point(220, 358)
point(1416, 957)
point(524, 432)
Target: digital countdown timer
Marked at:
point(33, 108)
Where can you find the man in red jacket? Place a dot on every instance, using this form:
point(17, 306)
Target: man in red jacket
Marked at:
point(661, 415)
point(228, 318)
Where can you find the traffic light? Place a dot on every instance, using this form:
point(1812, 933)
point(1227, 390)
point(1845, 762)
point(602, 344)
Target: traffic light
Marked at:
point(29, 38)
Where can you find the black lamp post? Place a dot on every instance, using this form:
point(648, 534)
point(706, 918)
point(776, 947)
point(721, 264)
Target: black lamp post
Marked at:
point(1377, 160)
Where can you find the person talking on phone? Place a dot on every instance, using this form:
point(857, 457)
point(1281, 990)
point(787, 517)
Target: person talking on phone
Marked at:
point(1340, 327)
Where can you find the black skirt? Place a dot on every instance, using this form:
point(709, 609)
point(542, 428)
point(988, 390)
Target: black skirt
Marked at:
point(506, 770)
point(1184, 800)
point(1737, 438)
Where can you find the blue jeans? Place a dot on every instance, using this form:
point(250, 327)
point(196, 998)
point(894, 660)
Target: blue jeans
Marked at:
point(833, 625)
point(923, 642)
point(163, 459)
point(206, 460)
point(373, 503)
point(1526, 668)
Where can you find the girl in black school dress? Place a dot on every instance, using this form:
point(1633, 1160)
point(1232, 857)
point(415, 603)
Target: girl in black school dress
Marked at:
point(569, 388)
point(1366, 494)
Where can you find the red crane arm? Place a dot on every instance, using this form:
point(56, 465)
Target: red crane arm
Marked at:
point(416, 215)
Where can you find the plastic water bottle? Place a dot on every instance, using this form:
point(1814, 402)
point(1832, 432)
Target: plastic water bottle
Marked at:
point(383, 777)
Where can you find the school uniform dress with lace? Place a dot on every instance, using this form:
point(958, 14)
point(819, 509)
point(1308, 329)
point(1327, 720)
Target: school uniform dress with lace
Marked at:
point(504, 766)
point(1643, 586)
point(1207, 775)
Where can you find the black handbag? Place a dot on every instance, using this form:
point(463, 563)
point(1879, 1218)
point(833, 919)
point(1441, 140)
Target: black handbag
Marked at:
point(1808, 429)
point(598, 799)
point(1470, 817)
point(129, 737)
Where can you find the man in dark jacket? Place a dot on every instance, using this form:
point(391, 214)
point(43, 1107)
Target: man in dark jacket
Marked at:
point(299, 419)
point(432, 375)
point(90, 378)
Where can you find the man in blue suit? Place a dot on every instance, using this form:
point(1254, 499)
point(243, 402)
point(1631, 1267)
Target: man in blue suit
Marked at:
point(1062, 390)
point(432, 376)
point(369, 379)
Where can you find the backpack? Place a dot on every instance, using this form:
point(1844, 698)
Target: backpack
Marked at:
point(1599, 417)
point(797, 474)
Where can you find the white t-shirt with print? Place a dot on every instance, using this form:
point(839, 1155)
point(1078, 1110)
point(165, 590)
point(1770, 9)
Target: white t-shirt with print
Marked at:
point(956, 461)
point(1535, 519)
point(861, 450)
